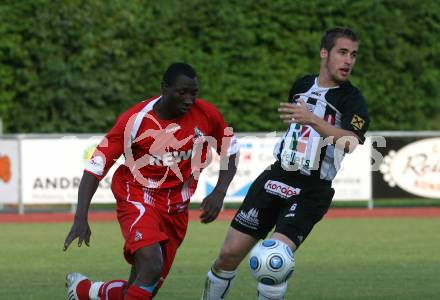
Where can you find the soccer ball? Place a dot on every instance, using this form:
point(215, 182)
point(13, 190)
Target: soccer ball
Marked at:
point(271, 262)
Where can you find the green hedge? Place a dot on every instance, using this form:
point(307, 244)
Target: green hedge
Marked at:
point(73, 66)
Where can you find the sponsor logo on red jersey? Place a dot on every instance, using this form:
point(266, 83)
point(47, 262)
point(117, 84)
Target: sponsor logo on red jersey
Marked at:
point(170, 158)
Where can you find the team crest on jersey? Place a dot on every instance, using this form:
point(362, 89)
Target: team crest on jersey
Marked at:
point(138, 236)
point(199, 136)
point(357, 122)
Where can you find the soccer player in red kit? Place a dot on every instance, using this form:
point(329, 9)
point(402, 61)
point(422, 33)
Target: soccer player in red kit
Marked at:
point(166, 142)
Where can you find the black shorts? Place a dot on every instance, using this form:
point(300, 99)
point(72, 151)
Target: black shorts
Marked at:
point(290, 202)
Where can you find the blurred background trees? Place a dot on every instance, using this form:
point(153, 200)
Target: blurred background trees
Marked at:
point(75, 65)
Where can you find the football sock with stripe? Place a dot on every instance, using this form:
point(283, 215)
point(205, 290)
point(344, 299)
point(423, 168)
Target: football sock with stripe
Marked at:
point(271, 292)
point(110, 290)
point(82, 289)
point(217, 284)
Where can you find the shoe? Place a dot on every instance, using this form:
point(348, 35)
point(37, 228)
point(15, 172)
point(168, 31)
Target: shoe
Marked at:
point(72, 280)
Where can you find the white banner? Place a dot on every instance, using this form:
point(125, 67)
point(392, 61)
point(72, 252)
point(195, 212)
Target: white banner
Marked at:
point(52, 168)
point(9, 176)
point(415, 168)
point(256, 153)
point(353, 181)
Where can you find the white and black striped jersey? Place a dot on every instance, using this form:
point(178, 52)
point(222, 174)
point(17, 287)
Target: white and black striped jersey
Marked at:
point(301, 147)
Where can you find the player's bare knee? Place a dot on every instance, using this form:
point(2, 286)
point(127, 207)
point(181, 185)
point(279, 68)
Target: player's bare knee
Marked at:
point(284, 239)
point(149, 264)
point(153, 267)
point(149, 275)
point(228, 259)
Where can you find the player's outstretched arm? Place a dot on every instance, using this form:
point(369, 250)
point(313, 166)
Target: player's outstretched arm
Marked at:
point(213, 203)
point(80, 228)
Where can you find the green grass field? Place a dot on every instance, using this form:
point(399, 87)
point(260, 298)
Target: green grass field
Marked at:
point(342, 259)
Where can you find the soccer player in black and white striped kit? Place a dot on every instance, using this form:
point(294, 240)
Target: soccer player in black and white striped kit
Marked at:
point(327, 118)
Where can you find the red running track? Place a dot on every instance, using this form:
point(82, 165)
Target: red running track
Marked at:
point(226, 215)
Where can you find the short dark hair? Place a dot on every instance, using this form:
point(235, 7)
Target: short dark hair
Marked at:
point(328, 41)
point(177, 69)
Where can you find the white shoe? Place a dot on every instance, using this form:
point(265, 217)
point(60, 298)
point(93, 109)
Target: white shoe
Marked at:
point(72, 280)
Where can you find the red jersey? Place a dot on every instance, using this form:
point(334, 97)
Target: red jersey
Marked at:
point(162, 154)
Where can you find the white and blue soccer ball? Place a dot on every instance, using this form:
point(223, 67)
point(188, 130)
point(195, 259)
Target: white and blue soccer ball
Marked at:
point(271, 262)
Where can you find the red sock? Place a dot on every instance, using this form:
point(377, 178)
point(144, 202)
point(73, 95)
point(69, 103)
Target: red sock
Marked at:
point(136, 293)
point(113, 290)
point(82, 289)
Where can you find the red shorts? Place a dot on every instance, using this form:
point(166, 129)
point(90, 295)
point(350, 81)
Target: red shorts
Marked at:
point(144, 225)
